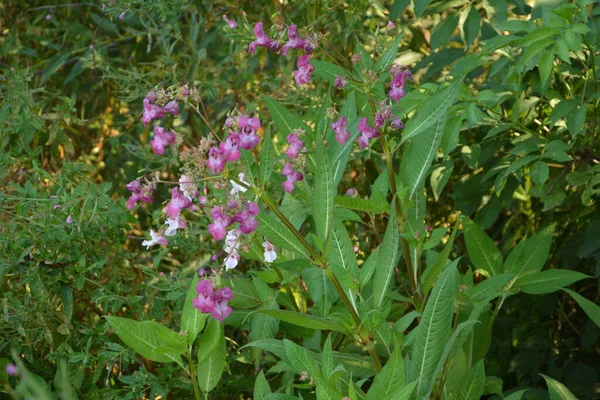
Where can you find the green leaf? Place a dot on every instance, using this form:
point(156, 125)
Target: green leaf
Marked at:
point(591, 309)
point(250, 164)
point(261, 387)
point(209, 342)
point(471, 26)
point(557, 390)
point(244, 294)
point(150, 339)
point(305, 320)
point(368, 268)
point(548, 281)
point(545, 66)
point(434, 328)
point(443, 31)
point(387, 260)
point(358, 204)
point(267, 157)
point(539, 173)
point(211, 368)
point(432, 273)
point(418, 156)
point(192, 320)
point(320, 288)
point(475, 381)
point(327, 71)
point(403, 323)
point(62, 382)
point(433, 110)
point(53, 65)
point(390, 55)
point(516, 395)
point(324, 194)
point(489, 288)
point(390, 381)
point(537, 35)
point(397, 8)
point(342, 258)
point(530, 254)
point(482, 251)
point(327, 364)
point(420, 6)
point(285, 120)
point(278, 234)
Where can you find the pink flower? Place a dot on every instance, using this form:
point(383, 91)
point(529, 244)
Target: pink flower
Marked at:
point(397, 124)
point(367, 133)
point(397, 84)
point(204, 301)
point(157, 238)
point(341, 133)
point(218, 228)
point(161, 139)
point(340, 82)
point(262, 39)
point(140, 193)
point(151, 110)
point(188, 187)
point(172, 107)
point(248, 139)
point(221, 311)
point(178, 202)
point(390, 24)
point(295, 146)
point(229, 148)
point(352, 192)
point(232, 260)
point(292, 177)
point(173, 225)
point(248, 223)
point(223, 294)
point(122, 15)
point(11, 369)
point(305, 69)
point(216, 160)
point(232, 24)
point(69, 220)
point(48, 17)
point(294, 42)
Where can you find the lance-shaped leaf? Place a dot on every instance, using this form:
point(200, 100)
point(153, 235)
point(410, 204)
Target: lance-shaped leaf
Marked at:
point(483, 252)
point(261, 387)
point(434, 329)
point(324, 194)
point(327, 71)
point(548, 281)
point(267, 157)
point(591, 309)
point(530, 254)
point(342, 259)
point(432, 272)
point(387, 260)
point(557, 390)
point(285, 120)
point(434, 109)
point(320, 288)
point(279, 234)
point(390, 55)
point(358, 204)
point(473, 386)
point(390, 381)
point(192, 320)
point(211, 362)
point(304, 320)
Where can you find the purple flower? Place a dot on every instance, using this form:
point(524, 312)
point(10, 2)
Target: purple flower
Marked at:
point(216, 160)
point(178, 202)
point(11, 369)
point(248, 139)
point(139, 193)
point(122, 15)
point(223, 294)
point(232, 24)
point(295, 146)
point(69, 220)
point(161, 139)
point(305, 69)
point(221, 311)
point(352, 192)
point(397, 84)
point(229, 148)
point(151, 110)
point(218, 228)
point(367, 133)
point(294, 42)
point(383, 114)
point(340, 82)
point(397, 124)
point(204, 301)
point(246, 218)
point(157, 238)
point(341, 133)
point(262, 39)
point(172, 107)
point(48, 17)
point(188, 187)
point(292, 177)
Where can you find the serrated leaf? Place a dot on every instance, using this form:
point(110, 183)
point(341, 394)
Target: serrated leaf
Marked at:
point(261, 387)
point(433, 110)
point(342, 259)
point(149, 339)
point(474, 383)
point(328, 71)
point(390, 55)
point(211, 368)
point(434, 328)
point(489, 288)
point(192, 320)
point(305, 320)
point(278, 234)
point(358, 204)
point(471, 26)
point(419, 6)
point(443, 31)
point(368, 268)
point(267, 157)
point(539, 173)
point(285, 120)
point(557, 390)
point(432, 273)
point(390, 380)
point(481, 249)
point(545, 66)
point(209, 342)
point(548, 281)
point(324, 194)
point(592, 310)
point(537, 35)
point(320, 288)
point(530, 254)
point(387, 260)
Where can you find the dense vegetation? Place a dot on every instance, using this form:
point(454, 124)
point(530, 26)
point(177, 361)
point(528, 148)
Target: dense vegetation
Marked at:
point(300, 199)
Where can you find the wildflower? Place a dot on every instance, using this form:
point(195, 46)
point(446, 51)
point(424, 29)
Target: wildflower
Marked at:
point(292, 177)
point(235, 188)
point(340, 82)
point(216, 160)
point(172, 107)
point(246, 218)
point(69, 220)
point(367, 133)
point(151, 110)
point(232, 240)
point(341, 133)
point(355, 58)
point(201, 272)
point(173, 225)
point(352, 192)
point(305, 69)
point(397, 84)
point(383, 114)
point(157, 238)
point(295, 146)
point(11, 369)
point(262, 39)
point(397, 124)
point(139, 193)
point(390, 24)
point(232, 24)
point(204, 301)
point(161, 139)
point(229, 148)
point(270, 254)
point(221, 311)
point(248, 139)
point(177, 203)
point(122, 15)
point(294, 42)
point(48, 17)
point(218, 228)
point(188, 187)
point(232, 260)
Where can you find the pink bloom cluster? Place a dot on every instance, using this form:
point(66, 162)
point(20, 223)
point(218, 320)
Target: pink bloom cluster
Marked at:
point(340, 82)
point(397, 84)
point(210, 302)
point(305, 68)
point(161, 139)
point(154, 111)
point(384, 113)
point(341, 133)
point(296, 144)
point(222, 220)
point(241, 136)
point(292, 176)
point(231, 23)
point(139, 193)
point(366, 133)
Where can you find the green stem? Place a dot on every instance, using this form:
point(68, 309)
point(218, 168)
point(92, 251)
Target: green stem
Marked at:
point(194, 377)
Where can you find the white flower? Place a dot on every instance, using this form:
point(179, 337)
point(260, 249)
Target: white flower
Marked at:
point(238, 188)
point(232, 240)
point(157, 238)
point(232, 260)
point(270, 254)
point(174, 224)
point(188, 187)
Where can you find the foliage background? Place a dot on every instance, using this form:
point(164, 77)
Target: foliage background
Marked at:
point(523, 156)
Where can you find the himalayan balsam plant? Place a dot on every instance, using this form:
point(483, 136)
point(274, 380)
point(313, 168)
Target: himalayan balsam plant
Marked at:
point(373, 306)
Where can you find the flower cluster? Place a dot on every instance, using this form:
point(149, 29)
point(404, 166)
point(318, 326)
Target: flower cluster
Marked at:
point(341, 133)
point(397, 84)
point(366, 133)
point(242, 135)
point(246, 218)
point(231, 23)
point(305, 45)
point(139, 193)
point(152, 111)
point(210, 302)
point(292, 176)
